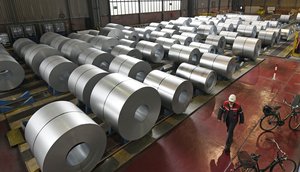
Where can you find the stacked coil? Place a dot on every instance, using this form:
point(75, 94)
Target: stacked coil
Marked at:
point(121, 49)
point(223, 65)
point(20, 43)
point(173, 27)
point(195, 37)
point(152, 28)
point(69, 148)
point(201, 78)
point(184, 40)
point(74, 35)
point(112, 32)
point(47, 37)
point(170, 31)
point(94, 32)
point(58, 42)
point(267, 38)
point(166, 43)
point(72, 48)
point(127, 42)
point(286, 34)
point(187, 29)
point(228, 26)
point(284, 18)
point(158, 25)
point(277, 33)
point(263, 24)
point(104, 43)
point(95, 57)
point(247, 30)
point(220, 29)
point(153, 52)
point(273, 24)
point(143, 33)
point(131, 67)
point(229, 36)
point(176, 93)
point(114, 25)
point(246, 47)
point(55, 70)
point(131, 35)
point(180, 53)
point(86, 37)
point(218, 41)
point(82, 81)
point(134, 116)
point(235, 22)
point(156, 34)
point(128, 28)
point(204, 48)
point(205, 30)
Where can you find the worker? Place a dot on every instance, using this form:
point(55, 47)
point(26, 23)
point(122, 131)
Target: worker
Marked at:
point(232, 113)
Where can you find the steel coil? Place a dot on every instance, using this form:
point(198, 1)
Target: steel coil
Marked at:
point(153, 52)
point(20, 43)
point(143, 33)
point(55, 70)
point(182, 22)
point(112, 32)
point(158, 25)
point(73, 47)
point(164, 23)
point(263, 24)
point(25, 49)
point(204, 48)
point(120, 102)
point(187, 29)
point(277, 33)
point(11, 72)
point(195, 37)
point(131, 35)
point(47, 37)
point(284, 18)
point(104, 43)
point(122, 49)
point(94, 32)
point(129, 28)
point(3, 50)
point(247, 30)
point(57, 136)
point(173, 27)
point(74, 35)
point(235, 23)
point(196, 23)
point(286, 34)
point(223, 65)
point(86, 37)
point(246, 47)
point(202, 78)
point(267, 38)
point(95, 57)
point(273, 24)
point(82, 81)
point(127, 42)
point(228, 26)
point(220, 29)
point(205, 30)
point(131, 67)
point(180, 53)
point(229, 36)
point(170, 31)
point(156, 34)
point(176, 93)
point(114, 25)
point(38, 54)
point(58, 42)
point(152, 28)
point(216, 21)
point(167, 43)
point(184, 40)
point(218, 41)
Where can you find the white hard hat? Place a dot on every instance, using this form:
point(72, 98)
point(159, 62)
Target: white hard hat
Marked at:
point(232, 98)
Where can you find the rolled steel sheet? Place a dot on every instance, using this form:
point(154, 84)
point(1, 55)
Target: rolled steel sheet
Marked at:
point(170, 31)
point(156, 34)
point(11, 72)
point(143, 33)
point(55, 70)
point(3, 50)
point(195, 37)
point(112, 32)
point(187, 29)
point(234, 22)
point(20, 43)
point(164, 23)
point(286, 33)
point(86, 37)
point(104, 43)
point(167, 43)
point(47, 37)
point(176, 93)
point(216, 21)
point(69, 148)
point(182, 22)
point(114, 25)
point(277, 33)
point(127, 42)
point(38, 54)
point(204, 48)
point(95, 57)
point(184, 40)
point(94, 32)
point(74, 35)
point(152, 28)
point(220, 29)
point(202, 78)
point(228, 26)
point(223, 65)
point(218, 41)
point(131, 35)
point(153, 24)
point(25, 49)
point(120, 102)
point(250, 17)
point(153, 52)
point(131, 67)
point(205, 30)
point(129, 28)
point(82, 81)
point(173, 27)
point(263, 24)
point(267, 38)
point(247, 30)
point(180, 53)
point(196, 23)
point(284, 18)
point(229, 36)
point(122, 49)
point(73, 47)
point(273, 24)
point(246, 47)
point(58, 42)
point(298, 17)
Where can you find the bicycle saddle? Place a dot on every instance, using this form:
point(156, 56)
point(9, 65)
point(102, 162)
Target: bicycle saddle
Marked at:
point(245, 159)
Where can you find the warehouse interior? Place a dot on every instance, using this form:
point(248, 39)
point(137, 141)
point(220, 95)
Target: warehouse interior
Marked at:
point(143, 85)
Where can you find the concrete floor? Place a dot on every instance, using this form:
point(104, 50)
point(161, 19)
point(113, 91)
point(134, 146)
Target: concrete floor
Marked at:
point(197, 144)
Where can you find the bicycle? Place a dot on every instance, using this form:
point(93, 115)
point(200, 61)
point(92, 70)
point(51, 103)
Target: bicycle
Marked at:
point(249, 163)
point(272, 117)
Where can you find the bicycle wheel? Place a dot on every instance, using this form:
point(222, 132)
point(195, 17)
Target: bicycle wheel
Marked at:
point(286, 166)
point(242, 169)
point(294, 122)
point(269, 122)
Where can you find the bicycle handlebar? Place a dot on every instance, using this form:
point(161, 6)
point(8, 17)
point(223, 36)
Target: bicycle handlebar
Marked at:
point(277, 145)
point(290, 105)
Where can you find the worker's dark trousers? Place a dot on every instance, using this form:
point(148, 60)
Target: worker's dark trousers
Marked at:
point(230, 124)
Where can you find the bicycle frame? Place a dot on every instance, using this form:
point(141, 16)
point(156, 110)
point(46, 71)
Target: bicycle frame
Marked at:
point(272, 164)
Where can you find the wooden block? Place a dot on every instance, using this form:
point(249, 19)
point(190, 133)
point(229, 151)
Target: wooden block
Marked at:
point(32, 165)
point(15, 137)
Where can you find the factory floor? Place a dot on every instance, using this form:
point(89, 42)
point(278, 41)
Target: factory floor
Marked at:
point(197, 144)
